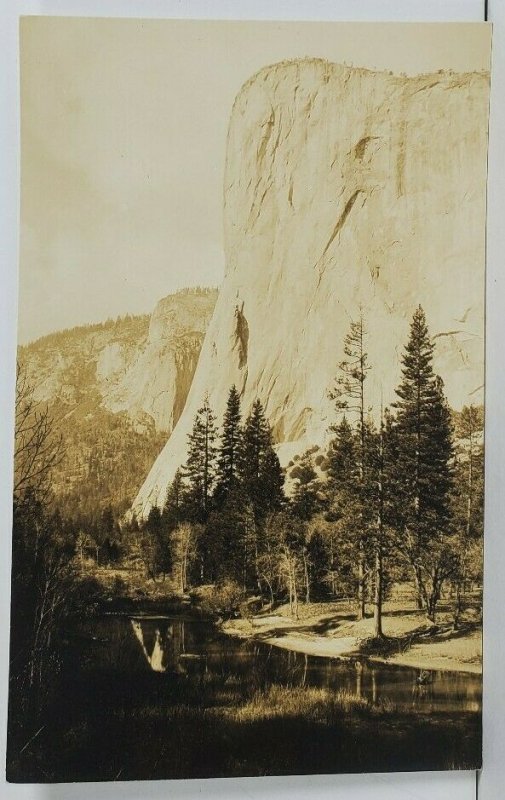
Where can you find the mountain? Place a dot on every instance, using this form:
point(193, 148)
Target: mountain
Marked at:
point(115, 390)
point(142, 365)
point(344, 188)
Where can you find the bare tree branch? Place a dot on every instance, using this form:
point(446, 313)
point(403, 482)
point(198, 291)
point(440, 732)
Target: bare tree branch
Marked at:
point(38, 448)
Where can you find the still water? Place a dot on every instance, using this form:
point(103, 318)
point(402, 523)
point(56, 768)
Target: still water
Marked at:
point(179, 646)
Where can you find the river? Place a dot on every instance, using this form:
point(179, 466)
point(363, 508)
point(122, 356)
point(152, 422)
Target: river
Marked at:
point(175, 645)
point(152, 696)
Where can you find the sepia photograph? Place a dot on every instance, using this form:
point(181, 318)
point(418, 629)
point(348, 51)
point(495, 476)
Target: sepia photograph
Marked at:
point(248, 497)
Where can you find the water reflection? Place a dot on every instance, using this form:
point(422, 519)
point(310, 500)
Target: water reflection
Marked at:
point(163, 643)
point(175, 646)
point(157, 657)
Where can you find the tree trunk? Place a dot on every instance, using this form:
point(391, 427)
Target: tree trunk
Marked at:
point(433, 598)
point(377, 609)
point(431, 611)
point(419, 589)
point(361, 581)
point(307, 578)
point(295, 592)
point(457, 606)
point(183, 573)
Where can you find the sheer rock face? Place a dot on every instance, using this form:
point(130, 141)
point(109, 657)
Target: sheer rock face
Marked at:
point(157, 379)
point(344, 188)
point(140, 366)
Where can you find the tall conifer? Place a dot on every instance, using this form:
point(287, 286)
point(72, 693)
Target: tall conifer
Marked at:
point(349, 394)
point(258, 466)
point(229, 449)
point(200, 468)
point(423, 465)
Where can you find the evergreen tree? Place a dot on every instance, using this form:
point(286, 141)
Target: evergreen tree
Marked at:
point(272, 477)
point(154, 522)
point(347, 490)
point(201, 461)
point(306, 500)
point(176, 503)
point(468, 502)
point(318, 557)
point(376, 493)
point(342, 457)
point(228, 455)
point(423, 466)
point(225, 541)
point(155, 545)
point(349, 394)
point(259, 470)
point(349, 389)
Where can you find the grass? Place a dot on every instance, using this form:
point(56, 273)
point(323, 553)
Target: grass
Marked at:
point(311, 704)
point(150, 728)
point(111, 720)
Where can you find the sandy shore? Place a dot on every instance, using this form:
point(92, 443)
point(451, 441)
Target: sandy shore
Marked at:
point(329, 630)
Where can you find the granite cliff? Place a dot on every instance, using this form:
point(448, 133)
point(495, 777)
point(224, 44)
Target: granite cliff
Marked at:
point(141, 365)
point(344, 189)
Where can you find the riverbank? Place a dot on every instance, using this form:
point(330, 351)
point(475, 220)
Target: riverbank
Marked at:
point(331, 630)
point(159, 697)
point(322, 629)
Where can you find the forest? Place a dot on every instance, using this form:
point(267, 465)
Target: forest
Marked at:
point(397, 496)
point(400, 498)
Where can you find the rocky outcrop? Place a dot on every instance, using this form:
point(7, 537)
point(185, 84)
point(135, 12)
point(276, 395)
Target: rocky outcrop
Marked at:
point(157, 380)
point(344, 189)
point(140, 365)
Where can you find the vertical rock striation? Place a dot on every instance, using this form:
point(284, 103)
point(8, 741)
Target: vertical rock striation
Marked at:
point(135, 365)
point(344, 188)
point(157, 380)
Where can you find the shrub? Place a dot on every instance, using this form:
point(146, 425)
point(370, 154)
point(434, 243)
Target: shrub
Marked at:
point(118, 586)
point(224, 599)
point(85, 596)
point(379, 646)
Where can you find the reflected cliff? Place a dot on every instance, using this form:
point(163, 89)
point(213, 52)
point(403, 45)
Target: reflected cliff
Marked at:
point(163, 644)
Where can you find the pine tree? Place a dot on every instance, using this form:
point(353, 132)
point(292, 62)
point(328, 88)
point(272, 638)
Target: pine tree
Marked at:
point(273, 481)
point(342, 456)
point(345, 510)
point(200, 468)
point(375, 497)
point(347, 464)
point(423, 466)
point(254, 442)
point(228, 455)
point(468, 502)
point(155, 545)
point(306, 501)
point(471, 462)
point(349, 390)
point(176, 502)
point(349, 395)
point(226, 540)
point(259, 470)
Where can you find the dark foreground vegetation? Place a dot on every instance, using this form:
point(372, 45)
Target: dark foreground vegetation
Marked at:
point(107, 724)
point(397, 496)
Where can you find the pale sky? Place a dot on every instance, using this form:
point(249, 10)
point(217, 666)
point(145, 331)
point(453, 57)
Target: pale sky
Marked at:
point(123, 133)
